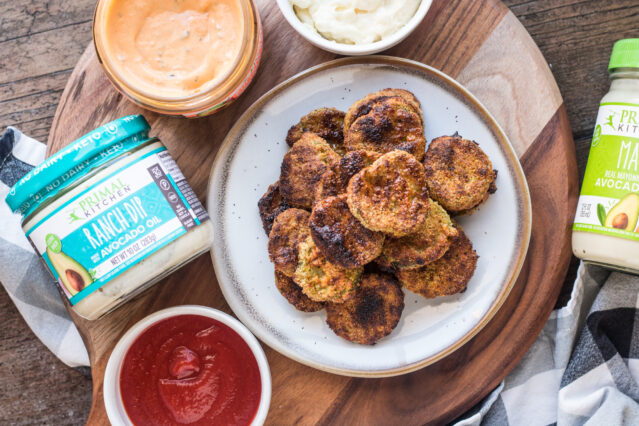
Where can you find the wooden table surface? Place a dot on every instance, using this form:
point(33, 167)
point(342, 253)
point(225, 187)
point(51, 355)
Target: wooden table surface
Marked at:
point(41, 41)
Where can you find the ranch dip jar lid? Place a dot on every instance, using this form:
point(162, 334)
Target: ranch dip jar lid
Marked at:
point(75, 161)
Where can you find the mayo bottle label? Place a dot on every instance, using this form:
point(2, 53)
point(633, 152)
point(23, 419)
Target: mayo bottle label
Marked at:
point(116, 223)
point(609, 199)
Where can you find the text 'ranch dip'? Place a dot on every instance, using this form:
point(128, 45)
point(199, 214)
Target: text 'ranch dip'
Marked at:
point(355, 21)
point(186, 57)
point(111, 214)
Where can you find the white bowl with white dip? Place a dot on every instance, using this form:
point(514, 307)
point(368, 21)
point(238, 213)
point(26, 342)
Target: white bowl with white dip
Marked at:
point(354, 27)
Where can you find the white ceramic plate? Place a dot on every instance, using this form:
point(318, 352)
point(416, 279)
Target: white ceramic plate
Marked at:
point(249, 161)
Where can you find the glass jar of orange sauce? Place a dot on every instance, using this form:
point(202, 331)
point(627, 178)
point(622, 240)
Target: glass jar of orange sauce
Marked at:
point(179, 57)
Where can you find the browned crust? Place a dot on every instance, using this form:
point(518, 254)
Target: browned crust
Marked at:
point(327, 123)
point(371, 314)
point(446, 276)
point(294, 295)
point(271, 205)
point(302, 168)
point(321, 280)
point(459, 174)
point(334, 181)
point(391, 124)
point(427, 245)
point(491, 190)
point(390, 196)
point(289, 229)
point(364, 105)
point(339, 235)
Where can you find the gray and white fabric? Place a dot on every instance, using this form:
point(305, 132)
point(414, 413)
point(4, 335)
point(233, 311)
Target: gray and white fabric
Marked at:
point(584, 366)
point(582, 369)
point(22, 273)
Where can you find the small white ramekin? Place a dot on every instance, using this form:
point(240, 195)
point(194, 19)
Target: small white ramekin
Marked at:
point(112, 397)
point(353, 49)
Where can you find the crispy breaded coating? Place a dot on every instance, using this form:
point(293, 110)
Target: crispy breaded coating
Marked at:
point(334, 181)
point(339, 235)
point(491, 190)
point(302, 168)
point(390, 196)
point(364, 105)
point(427, 245)
point(446, 276)
point(327, 123)
point(321, 280)
point(459, 174)
point(372, 314)
point(391, 124)
point(271, 205)
point(289, 229)
point(294, 295)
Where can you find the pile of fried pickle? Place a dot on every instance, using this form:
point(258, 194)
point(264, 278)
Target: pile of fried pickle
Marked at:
point(362, 209)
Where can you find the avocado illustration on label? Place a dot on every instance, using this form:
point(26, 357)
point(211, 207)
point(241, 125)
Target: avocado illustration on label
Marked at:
point(624, 214)
point(73, 275)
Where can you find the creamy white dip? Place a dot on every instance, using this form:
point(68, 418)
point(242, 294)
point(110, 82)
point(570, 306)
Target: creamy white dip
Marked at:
point(355, 21)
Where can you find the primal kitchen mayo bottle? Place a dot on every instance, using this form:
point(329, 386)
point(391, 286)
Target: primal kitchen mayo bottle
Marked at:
point(606, 230)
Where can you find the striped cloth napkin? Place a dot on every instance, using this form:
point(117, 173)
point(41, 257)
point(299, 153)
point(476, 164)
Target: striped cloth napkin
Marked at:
point(22, 273)
point(582, 369)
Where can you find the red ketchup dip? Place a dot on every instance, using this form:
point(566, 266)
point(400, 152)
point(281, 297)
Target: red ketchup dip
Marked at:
point(190, 369)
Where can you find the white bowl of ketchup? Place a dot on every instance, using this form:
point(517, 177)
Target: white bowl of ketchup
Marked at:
point(187, 365)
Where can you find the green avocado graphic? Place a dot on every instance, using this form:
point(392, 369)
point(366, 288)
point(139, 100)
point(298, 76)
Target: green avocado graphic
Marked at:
point(73, 275)
point(624, 214)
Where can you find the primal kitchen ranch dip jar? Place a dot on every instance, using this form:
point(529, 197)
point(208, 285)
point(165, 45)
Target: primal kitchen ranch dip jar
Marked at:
point(188, 57)
point(110, 215)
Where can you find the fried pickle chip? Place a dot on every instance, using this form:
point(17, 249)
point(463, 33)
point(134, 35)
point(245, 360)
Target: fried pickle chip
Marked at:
point(391, 124)
point(371, 314)
point(459, 174)
point(321, 280)
point(271, 205)
point(446, 276)
point(390, 196)
point(364, 105)
point(334, 181)
point(294, 295)
point(289, 229)
point(341, 237)
point(302, 168)
point(327, 123)
point(491, 190)
point(427, 245)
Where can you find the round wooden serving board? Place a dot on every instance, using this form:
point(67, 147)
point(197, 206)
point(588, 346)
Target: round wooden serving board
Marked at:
point(481, 44)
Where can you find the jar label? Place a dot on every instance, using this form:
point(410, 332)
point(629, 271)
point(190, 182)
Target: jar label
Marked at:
point(116, 223)
point(609, 199)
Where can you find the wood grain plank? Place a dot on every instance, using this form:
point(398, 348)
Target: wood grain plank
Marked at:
point(33, 85)
point(29, 107)
point(50, 51)
point(511, 77)
point(452, 32)
point(36, 387)
point(576, 38)
point(19, 19)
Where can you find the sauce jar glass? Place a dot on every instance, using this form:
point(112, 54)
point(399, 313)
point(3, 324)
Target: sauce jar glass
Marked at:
point(188, 58)
point(110, 215)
